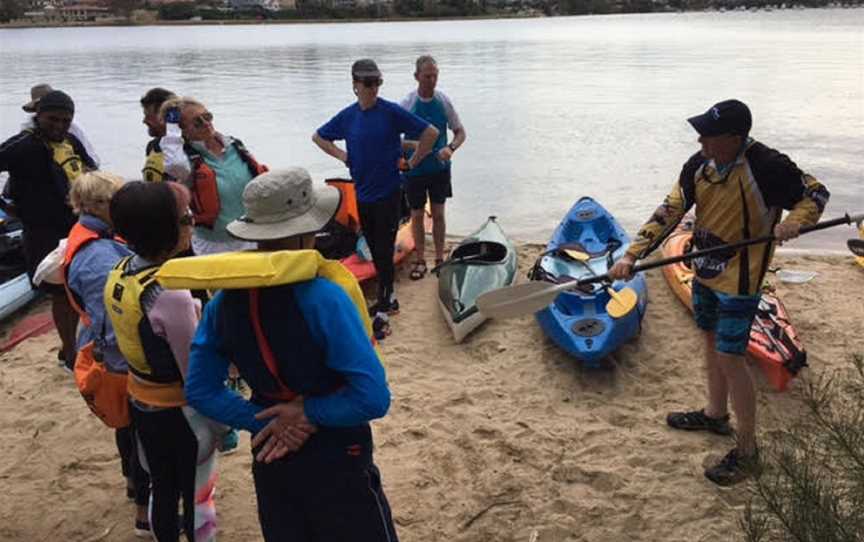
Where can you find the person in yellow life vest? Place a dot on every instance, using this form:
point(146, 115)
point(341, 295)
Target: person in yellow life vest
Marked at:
point(154, 163)
point(215, 167)
point(303, 347)
point(42, 164)
point(91, 253)
point(739, 188)
point(154, 329)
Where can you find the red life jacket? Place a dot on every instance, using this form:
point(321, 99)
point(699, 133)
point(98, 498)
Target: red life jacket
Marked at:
point(205, 203)
point(79, 236)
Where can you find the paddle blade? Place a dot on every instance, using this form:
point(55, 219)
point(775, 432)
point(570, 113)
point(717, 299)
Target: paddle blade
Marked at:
point(577, 255)
point(622, 302)
point(517, 300)
point(856, 246)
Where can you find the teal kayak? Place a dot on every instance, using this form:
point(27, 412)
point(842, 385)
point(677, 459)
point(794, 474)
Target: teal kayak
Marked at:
point(483, 261)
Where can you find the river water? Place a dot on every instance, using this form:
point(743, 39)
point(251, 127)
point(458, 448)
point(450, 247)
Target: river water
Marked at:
point(555, 108)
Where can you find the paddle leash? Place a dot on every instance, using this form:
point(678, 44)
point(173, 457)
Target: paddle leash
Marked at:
point(521, 299)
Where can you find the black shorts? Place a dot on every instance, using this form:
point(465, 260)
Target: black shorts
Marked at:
point(437, 185)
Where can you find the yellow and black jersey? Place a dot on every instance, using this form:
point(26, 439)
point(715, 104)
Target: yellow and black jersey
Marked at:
point(154, 163)
point(744, 201)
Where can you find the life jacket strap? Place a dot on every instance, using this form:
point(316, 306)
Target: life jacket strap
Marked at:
point(284, 393)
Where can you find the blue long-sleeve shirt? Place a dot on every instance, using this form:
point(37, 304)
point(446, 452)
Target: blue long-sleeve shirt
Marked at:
point(334, 325)
point(88, 273)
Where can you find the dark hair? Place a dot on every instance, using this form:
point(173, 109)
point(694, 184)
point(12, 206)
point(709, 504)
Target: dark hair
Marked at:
point(147, 217)
point(156, 96)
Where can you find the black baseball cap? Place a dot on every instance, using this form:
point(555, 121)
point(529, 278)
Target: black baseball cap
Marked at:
point(365, 67)
point(56, 100)
point(726, 117)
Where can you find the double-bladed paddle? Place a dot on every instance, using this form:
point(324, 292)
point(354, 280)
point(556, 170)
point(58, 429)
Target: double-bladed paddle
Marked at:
point(526, 298)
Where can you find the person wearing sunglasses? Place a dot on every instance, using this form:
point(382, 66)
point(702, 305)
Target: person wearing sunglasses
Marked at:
point(372, 129)
point(739, 188)
point(215, 167)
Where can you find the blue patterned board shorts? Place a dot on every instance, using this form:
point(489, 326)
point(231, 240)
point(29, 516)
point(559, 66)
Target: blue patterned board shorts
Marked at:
point(729, 316)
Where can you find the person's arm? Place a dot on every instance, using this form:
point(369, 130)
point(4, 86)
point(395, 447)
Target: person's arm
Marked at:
point(784, 185)
point(175, 162)
point(424, 145)
point(208, 369)
point(334, 323)
point(330, 148)
point(455, 124)
point(174, 316)
point(664, 219)
point(331, 131)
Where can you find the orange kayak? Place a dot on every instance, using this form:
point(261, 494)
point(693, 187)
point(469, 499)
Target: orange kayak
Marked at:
point(774, 343)
point(348, 216)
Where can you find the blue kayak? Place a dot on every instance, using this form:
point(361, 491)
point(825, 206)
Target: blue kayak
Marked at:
point(577, 320)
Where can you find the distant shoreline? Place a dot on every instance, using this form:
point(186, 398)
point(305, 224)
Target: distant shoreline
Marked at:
point(528, 14)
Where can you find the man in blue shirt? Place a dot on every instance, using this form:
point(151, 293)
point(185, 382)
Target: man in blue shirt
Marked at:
point(372, 129)
point(316, 379)
point(432, 176)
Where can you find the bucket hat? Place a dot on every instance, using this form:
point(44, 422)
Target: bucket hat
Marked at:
point(36, 93)
point(284, 203)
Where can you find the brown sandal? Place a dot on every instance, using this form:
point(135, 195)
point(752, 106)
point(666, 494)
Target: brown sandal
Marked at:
point(418, 270)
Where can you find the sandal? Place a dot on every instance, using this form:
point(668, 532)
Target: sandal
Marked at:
point(418, 270)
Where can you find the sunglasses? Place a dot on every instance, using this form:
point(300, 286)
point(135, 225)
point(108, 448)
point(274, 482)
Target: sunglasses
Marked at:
point(370, 82)
point(187, 219)
point(202, 120)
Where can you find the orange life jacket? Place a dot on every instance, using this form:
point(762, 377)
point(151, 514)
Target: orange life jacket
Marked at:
point(79, 236)
point(205, 203)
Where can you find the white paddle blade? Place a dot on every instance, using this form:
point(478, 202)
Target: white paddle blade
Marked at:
point(517, 300)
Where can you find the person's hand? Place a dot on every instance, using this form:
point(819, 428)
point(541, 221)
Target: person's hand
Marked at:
point(445, 154)
point(286, 432)
point(623, 268)
point(786, 230)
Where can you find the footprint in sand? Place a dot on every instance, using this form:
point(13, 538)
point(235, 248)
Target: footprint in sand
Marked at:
point(596, 479)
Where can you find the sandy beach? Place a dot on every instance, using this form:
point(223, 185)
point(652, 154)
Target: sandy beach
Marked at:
point(502, 438)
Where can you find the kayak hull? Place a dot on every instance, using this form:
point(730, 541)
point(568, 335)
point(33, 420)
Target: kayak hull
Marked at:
point(577, 321)
point(774, 343)
point(460, 284)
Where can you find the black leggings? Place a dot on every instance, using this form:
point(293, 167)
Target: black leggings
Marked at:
point(131, 465)
point(380, 220)
point(171, 451)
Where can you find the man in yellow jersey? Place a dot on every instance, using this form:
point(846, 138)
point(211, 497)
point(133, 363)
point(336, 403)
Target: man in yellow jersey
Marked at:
point(42, 162)
point(154, 164)
point(740, 188)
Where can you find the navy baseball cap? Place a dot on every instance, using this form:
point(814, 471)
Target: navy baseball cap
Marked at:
point(727, 117)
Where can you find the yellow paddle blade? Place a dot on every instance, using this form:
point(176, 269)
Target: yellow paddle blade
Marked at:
point(621, 303)
point(577, 255)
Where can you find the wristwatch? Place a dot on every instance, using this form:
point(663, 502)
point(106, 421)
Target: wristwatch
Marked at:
point(451, 147)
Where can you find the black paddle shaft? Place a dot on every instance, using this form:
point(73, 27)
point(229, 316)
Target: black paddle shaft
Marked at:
point(845, 219)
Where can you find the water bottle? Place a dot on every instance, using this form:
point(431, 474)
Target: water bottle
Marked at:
point(363, 249)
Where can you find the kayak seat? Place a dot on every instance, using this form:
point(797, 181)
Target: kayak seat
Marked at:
point(481, 252)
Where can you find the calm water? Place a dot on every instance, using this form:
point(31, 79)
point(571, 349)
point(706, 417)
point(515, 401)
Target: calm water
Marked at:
point(554, 108)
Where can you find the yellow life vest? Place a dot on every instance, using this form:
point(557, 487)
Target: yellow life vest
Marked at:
point(155, 378)
point(65, 156)
point(258, 269)
point(154, 167)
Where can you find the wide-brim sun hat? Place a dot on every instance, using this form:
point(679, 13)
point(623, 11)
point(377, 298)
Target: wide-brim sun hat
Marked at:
point(36, 94)
point(284, 203)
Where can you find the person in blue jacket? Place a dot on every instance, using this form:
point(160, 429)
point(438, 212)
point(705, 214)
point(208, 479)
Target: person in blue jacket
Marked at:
point(372, 128)
point(315, 377)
